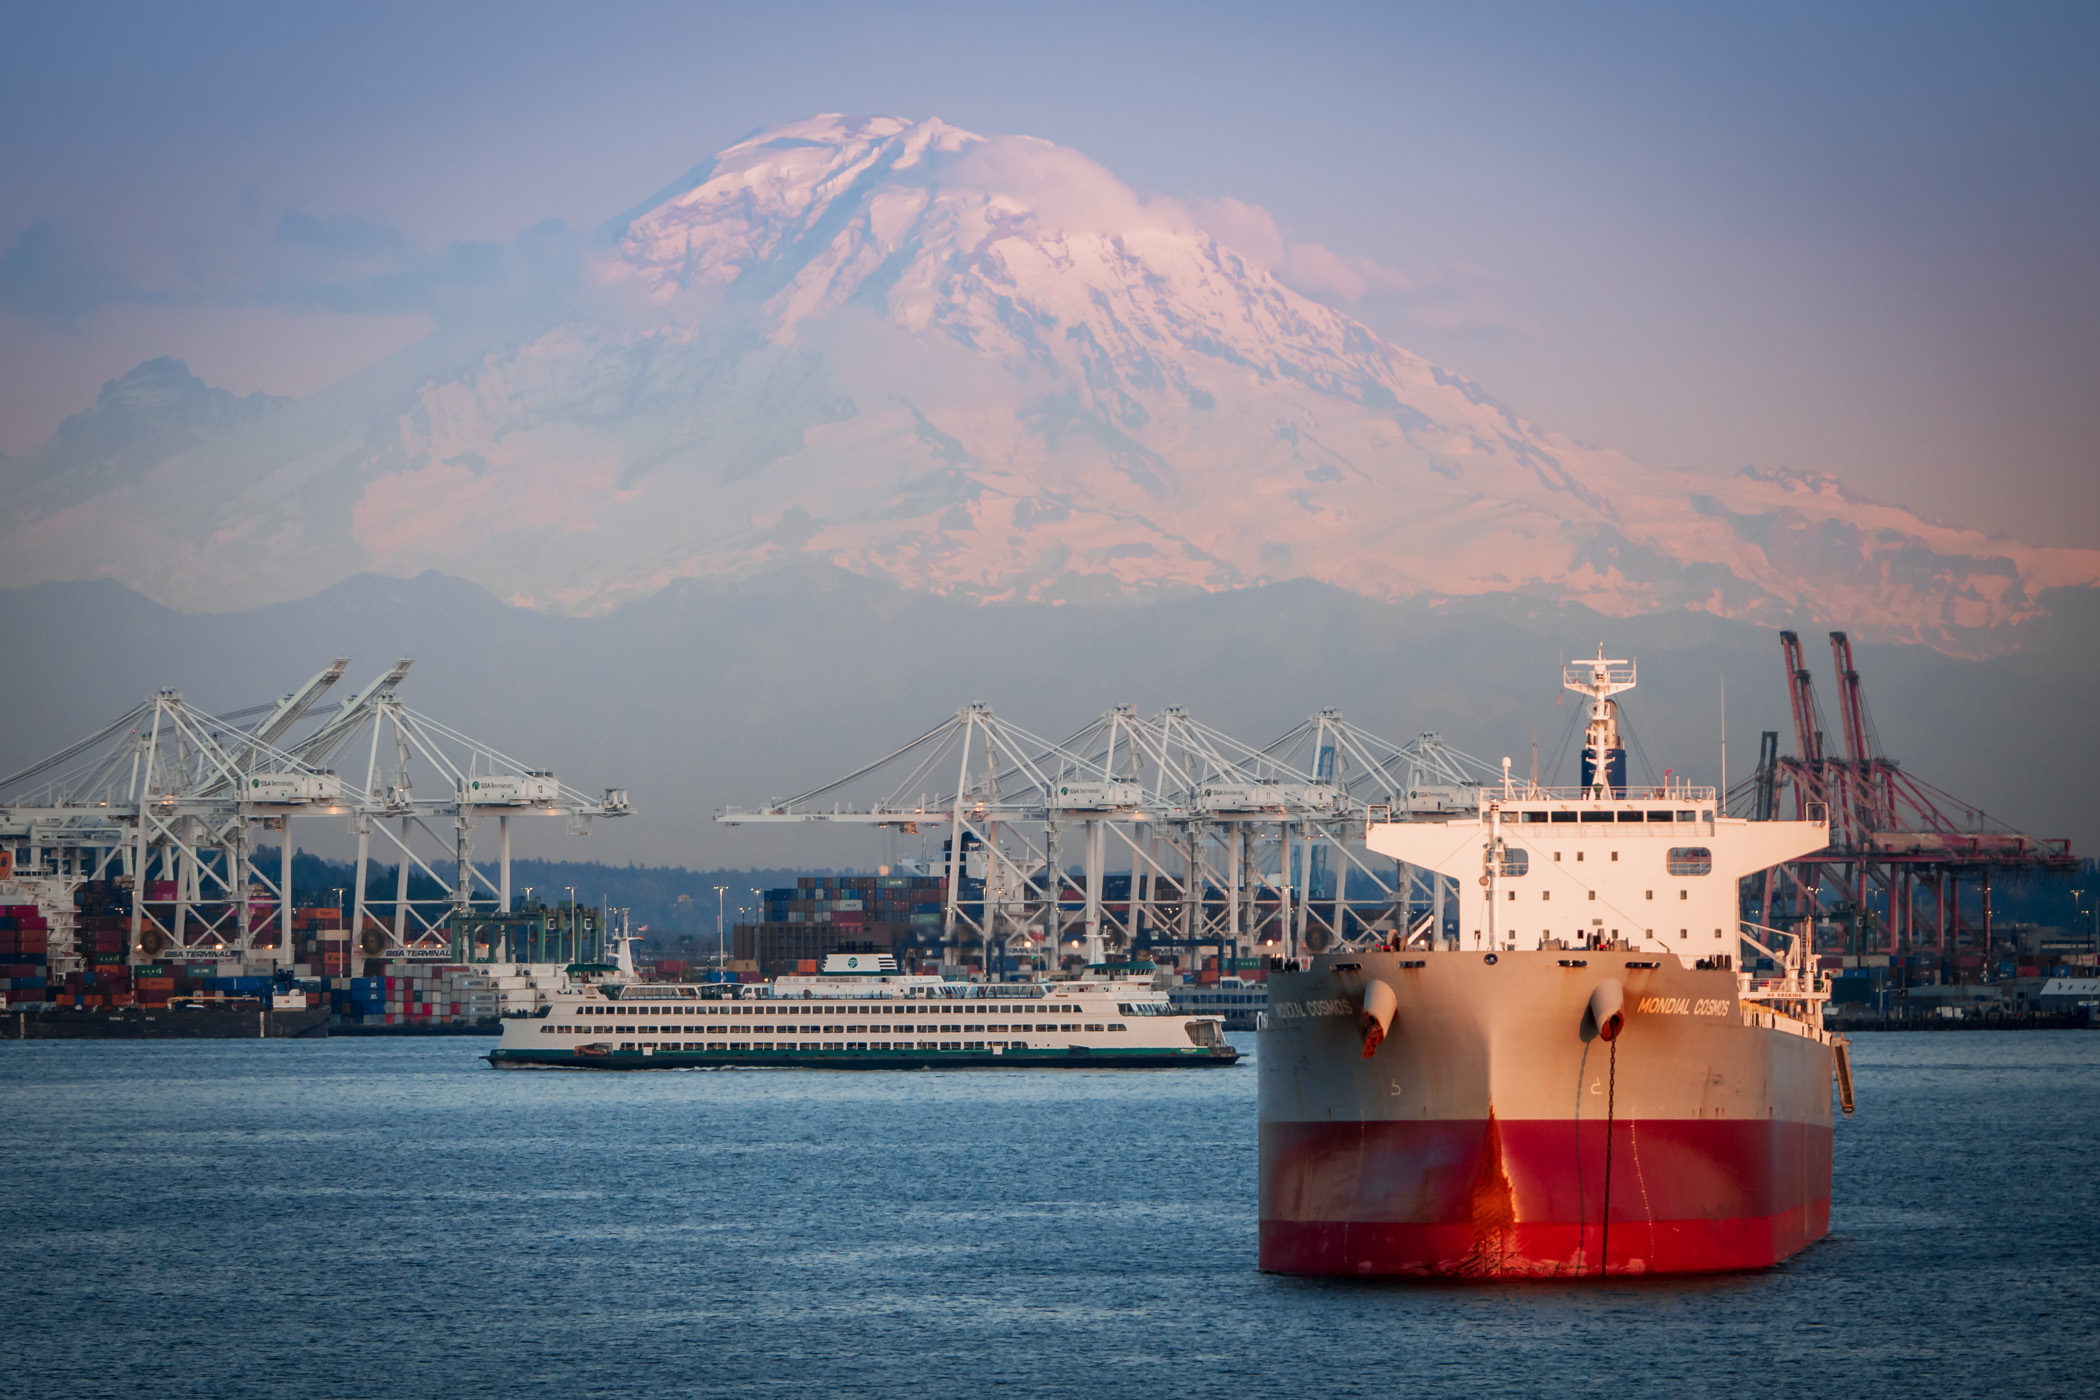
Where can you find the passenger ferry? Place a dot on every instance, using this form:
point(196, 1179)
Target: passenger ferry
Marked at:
point(861, 1012)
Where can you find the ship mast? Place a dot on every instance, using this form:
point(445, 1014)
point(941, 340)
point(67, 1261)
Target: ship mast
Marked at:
point(1603, 757)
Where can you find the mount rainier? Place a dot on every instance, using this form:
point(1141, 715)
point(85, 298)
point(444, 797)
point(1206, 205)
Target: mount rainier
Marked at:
point(976, 366)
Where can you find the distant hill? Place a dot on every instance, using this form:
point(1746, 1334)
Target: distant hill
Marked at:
point(709, 694)
point(667, 902)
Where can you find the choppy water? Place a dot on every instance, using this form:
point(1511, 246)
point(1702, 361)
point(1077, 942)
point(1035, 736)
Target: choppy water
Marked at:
point(390, 1218)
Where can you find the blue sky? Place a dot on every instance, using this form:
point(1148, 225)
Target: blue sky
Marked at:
point(1852, 239)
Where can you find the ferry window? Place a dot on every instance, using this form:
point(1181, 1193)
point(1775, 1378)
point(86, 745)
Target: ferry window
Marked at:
point(1512, 894)
point(1579, 855)
point(1593, 896)
point(1556, 855)
point(1706, 816)
point(1630, 816)
point(1685, 816)
point(1545, 894)
point(1534, 816)
point(1564, 816)
point(1651, 894)
point(1516, 862)
point(1691, 860)
point(1658, 816)
point(1684, 894)
point(1614, 855)
point(1596, 816)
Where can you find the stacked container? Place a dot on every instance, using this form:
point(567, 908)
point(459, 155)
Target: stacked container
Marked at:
point(25, 953)
point(153, 983)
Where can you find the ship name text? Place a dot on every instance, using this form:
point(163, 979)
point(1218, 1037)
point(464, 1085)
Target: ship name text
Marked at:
point(1685, 1006)
point(1317, 1006)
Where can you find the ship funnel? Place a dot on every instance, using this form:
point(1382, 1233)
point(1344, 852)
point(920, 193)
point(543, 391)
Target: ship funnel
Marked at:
point(1379, 1004)
point(1605, 1015)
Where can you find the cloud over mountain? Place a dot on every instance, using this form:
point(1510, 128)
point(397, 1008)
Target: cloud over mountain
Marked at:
point(985, 367)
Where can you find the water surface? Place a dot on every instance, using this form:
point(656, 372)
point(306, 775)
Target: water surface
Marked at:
point(390, 1218)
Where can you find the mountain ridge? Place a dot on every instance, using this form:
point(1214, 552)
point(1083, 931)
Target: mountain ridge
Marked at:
point(981, 367)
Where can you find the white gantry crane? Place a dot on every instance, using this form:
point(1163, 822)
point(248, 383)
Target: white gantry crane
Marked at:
point(1218, 843)
point(168, 799)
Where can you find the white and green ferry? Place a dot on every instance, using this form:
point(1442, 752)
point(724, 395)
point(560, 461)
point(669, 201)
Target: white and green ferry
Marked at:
point(861, 1012)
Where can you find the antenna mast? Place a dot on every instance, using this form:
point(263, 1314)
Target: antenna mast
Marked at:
point(1603, 757)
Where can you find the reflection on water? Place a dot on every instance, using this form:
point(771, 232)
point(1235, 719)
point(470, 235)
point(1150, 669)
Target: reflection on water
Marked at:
point(389, 1217)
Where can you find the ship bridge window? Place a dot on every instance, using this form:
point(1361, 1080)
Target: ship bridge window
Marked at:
point(1516, 862)
point(1564, 816)
point(1631, 817)
point(1596, 816)
point(1532, 816)
point(1690, 860)
point(1687, 816)
point(1658, 816)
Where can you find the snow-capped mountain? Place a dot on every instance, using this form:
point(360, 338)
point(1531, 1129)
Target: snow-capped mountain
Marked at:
point(978, 366)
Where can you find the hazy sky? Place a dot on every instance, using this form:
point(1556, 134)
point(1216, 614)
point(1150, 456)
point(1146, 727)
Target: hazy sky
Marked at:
point(1855, 239)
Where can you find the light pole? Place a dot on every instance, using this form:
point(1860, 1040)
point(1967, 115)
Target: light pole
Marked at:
point(758, 916)
point(721, 898)
point(572, 916)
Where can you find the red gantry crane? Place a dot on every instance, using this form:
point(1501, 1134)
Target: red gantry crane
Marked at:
point(1904, 857)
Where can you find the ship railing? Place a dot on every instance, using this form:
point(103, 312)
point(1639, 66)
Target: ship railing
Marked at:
point(1667, 792)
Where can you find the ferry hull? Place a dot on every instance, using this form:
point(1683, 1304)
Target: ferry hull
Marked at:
point(1473, 1142)
point(866, 1060)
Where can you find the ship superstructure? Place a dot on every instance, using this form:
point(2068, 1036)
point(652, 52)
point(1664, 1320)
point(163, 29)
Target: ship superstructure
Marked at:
point(861, 1012)
point(1581, 1080)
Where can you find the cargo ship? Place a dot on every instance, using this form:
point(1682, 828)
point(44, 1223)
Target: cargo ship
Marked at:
point(254, 1018)
point(861, 1012)
point(1583, 1082)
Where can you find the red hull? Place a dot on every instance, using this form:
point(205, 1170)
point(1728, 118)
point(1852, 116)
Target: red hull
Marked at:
point(1480, 1198)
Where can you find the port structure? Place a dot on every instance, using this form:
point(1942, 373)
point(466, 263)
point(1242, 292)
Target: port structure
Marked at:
point(1905, 857)
point(1214, 842)
point(168, 787)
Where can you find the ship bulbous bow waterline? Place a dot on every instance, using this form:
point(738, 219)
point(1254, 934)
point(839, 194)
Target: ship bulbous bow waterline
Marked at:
point(1487, 1138)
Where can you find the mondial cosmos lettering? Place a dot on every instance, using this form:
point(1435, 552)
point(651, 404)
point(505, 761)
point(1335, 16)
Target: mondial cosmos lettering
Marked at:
point(1684, 1006)
point(1315, 1007)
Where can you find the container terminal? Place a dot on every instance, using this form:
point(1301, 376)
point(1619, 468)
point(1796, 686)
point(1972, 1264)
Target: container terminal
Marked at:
point(148, 866)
